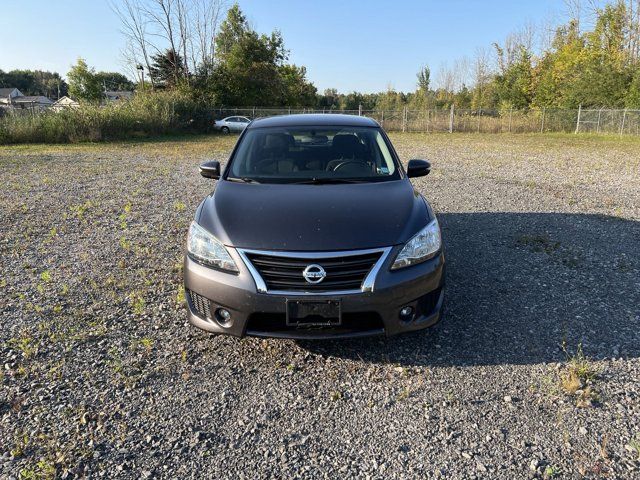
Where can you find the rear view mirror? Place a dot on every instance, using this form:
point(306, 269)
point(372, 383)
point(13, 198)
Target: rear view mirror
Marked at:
point(210, 169)
point(418, 168)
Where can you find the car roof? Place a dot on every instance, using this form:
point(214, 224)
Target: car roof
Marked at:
point(314, 119)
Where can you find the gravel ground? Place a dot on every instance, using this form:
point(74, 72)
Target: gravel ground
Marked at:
point(101, 376)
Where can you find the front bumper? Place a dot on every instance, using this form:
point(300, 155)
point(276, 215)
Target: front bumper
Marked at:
point(365, 313)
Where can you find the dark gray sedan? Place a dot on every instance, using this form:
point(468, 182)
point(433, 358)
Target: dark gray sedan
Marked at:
point(314, 231)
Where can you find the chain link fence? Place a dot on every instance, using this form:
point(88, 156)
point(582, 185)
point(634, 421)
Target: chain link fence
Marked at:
point(543, 120)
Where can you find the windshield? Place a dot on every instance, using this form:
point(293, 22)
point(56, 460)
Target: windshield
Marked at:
point(313, 155)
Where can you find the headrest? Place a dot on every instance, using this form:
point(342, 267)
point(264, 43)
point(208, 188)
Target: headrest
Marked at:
point(347, 144)
point(278, 141)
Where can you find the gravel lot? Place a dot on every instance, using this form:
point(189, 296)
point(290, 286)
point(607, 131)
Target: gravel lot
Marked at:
point(101, 377)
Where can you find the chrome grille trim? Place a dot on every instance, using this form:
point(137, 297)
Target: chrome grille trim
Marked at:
point(368, 284)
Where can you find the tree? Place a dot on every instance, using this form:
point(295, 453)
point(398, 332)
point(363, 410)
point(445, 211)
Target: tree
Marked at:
point(632, 99)
point(298, 91)
point(251, 68)
point(513, 85)
point(34, 82)
point(424, 77)
point(167, 68)
point(83, 82)
point(114, 81)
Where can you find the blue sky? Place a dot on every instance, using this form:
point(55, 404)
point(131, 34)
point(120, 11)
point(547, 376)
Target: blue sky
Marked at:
point(347, 44)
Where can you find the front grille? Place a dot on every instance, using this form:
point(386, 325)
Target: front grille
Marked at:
point(285, 273)
point(199, 304)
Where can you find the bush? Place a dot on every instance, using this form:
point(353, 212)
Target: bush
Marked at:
point(147, 114)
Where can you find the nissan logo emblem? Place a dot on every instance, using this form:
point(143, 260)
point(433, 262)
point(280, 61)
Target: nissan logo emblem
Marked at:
point(314, 273)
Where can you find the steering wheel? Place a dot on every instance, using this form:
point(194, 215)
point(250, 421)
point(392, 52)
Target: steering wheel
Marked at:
point(349, 162)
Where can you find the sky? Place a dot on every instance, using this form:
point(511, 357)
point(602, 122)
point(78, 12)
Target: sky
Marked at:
point(361, 45)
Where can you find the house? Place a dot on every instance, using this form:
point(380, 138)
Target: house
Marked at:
point(115, 96)
point(64, 102)
point(8, 94)
point(31, 102)
point(12, 99)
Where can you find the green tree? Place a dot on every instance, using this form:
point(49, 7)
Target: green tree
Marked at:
point(513, 86)
point(83, 82)
point(251, 68)
point(298, 91)
point(114, 81)
point(632, 99)
point(35, 82)
point(167, 68)
point(424, 78)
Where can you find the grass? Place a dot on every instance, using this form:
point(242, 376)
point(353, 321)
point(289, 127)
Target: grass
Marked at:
point(145, 115)
point(577, 378)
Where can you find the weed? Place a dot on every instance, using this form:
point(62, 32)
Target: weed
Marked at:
point(44, 469)
point(404, 394)
point(45, 276)
point(79, 210)
point(336, 395)
point(147, 343)
point(25, 345)
point(137, 303)
point(577, 376)
point(551, 471)
point(124, 243)
point(20, 445)
point(180, 206)
point(634, 444)
point(180, 298)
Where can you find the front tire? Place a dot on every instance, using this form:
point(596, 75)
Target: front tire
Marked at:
point(225, 130)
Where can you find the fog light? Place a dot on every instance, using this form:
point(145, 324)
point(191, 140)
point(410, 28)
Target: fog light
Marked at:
point(406, 313)
point(223, 315)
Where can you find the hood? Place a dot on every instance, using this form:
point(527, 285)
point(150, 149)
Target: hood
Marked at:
point(314, 217)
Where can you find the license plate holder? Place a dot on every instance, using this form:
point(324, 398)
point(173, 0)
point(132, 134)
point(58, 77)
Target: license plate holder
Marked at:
point(314, 313)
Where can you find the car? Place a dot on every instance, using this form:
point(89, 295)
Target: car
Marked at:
point(231, 124)
point(314, 231)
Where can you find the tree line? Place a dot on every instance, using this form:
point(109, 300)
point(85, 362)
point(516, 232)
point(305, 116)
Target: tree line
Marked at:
point(210, 52)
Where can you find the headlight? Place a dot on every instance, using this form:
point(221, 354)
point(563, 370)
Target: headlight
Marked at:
point(421, 247)
point(207, 249)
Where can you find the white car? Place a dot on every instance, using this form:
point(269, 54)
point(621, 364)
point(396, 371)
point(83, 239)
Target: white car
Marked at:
point(231, 124)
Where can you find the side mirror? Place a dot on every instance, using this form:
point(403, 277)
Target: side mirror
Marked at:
point(210, 169)
point(418, 168)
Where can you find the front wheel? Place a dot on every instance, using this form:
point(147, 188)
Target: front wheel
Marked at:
point(225, 130)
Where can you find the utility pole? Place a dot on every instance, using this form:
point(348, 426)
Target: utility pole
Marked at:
point(140, 68)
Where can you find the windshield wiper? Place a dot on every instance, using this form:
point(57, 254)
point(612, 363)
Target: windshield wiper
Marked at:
point(242, 179)
point(322, 181)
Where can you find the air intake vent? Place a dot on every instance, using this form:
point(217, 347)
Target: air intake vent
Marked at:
point(199, 304)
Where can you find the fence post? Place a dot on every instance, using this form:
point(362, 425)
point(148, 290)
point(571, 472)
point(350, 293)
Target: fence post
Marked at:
point(404, 119)
point(544, 110)
point(254, 112)
point(599, 115)
point(427, 120)
point(360, 110)
point(624, 118)
point(578, 122)
point(510, 115)
point(451, 119)
point(289, 110)
point(382, 121)
point(479, 115)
